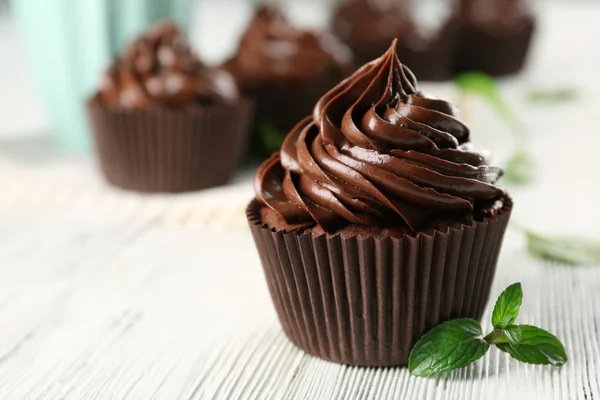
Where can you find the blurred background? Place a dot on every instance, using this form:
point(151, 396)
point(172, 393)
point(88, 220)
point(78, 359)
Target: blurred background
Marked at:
point(100, 276)
point(54, 55)
point(214, 29)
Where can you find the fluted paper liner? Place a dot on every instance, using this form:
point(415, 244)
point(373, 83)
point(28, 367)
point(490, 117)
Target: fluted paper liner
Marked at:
point(164, 150)
point(366, 301)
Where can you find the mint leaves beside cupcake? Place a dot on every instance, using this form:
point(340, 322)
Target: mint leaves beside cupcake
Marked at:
point(269, 136)
point(460, 342)
point(485, 86)
point(552, 96)
point(563, 249)
point(519, 167)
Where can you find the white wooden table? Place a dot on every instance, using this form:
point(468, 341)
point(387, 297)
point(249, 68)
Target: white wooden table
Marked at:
point(111, 295)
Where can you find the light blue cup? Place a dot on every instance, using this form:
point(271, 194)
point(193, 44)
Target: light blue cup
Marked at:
point(69, 44)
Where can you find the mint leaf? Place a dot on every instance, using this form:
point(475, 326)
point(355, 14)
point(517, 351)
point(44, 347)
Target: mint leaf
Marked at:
point(552, 95)
point(510, 334)
point(458, 343)
point(485, 86)
point(451, 345)
point(513, 335)
point(519, 168)
point(507, 306)
point(564, 249)
point(270, 137)
point(537, 346)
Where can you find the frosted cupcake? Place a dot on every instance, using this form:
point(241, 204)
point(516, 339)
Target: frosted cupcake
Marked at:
point(164, 122)
point(494, 35)
point(377, 220)
point(285, 69)
point(368, 27)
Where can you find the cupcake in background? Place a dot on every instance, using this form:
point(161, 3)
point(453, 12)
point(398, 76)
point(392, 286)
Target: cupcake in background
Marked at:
point(70, 43)
point(285, 69)
point(164, 122)
point(494, 35)
point(377, 220)
point(368, 27)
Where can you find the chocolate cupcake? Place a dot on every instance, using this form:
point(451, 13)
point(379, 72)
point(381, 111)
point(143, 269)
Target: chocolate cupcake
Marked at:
point(369, 26)
point(376, 221)
point(285, 70)
point(494, 35)
point(164, 122)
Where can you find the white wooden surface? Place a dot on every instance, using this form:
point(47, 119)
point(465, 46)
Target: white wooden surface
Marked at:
point(111, 295)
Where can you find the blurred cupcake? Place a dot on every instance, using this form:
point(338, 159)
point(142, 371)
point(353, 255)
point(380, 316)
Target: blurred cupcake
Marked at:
point(494, 35)
point(69, 44)
point(285, 69)
point(368, 27)
point(164, 122)
point(376, 221)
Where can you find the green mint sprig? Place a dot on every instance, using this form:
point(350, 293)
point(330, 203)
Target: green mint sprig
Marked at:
point(460, 342)
point(485, 86)
point(560, 95)
point(519, 167)
point(270, 137)
point(563, 249)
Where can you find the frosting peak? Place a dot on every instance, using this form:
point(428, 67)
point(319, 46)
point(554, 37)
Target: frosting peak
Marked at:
point(376, 150)
point(159, 68)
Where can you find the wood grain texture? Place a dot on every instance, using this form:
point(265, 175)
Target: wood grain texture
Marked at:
point(111, 295)
point(95, 308)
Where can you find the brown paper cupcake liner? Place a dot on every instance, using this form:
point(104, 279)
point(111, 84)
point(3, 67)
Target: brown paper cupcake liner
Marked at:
point(163, 150)
point(366, 301)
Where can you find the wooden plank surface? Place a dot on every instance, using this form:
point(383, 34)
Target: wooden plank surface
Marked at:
point(110, 295)
point(94, 307)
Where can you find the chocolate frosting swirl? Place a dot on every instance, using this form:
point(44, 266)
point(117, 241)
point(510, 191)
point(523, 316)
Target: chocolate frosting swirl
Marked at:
point(273, 51)
point(159, 68)
point(377, 151)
